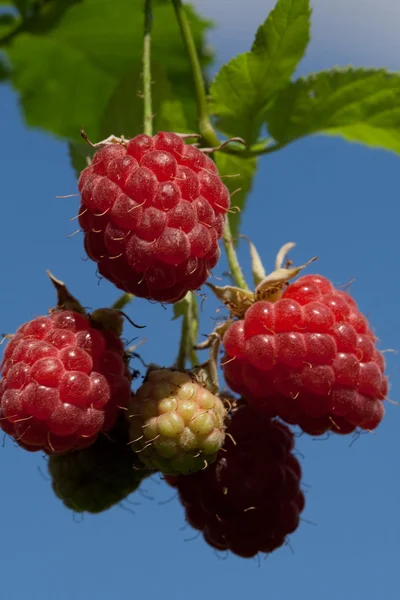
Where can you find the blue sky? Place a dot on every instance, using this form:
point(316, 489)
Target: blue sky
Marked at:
point(336, 200)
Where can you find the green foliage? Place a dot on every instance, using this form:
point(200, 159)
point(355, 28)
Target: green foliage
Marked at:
point(8, 23)
point(361, 105)
point(123, 114)
point(244, 87)
point(27, 8)
point(80, 154)
point(24, 6)
point(95, 45)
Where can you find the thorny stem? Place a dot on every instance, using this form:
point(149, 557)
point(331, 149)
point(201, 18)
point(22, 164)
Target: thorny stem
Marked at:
point(236, 271)
point(182, 354)
point(209, 370)
point(194, 330)
point(148, 112)
point(213, 363)
point(188, 334)
point(206, 129)
point(122, 301)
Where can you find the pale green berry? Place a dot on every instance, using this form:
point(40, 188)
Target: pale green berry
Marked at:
point(177, 426)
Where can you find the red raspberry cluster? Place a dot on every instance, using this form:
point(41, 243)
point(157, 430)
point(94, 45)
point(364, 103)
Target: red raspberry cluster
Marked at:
point(309, 358)
point(250, 500)
point(63, 381)
point(152, 212)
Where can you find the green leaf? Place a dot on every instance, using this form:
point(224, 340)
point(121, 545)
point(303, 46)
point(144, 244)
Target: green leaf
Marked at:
point(7, 24)
point(244, 86)
point(4, 70)
point(80, 154)
point(171, 116)
point(53, 95)
point(38, 17)
point(238, 173)
point(360, 105)
point(23, 6)
point(68, 78)
point(123, 114)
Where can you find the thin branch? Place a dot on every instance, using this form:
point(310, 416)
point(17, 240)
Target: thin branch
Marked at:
point(205, 127)
point(148, 112)
point(122, 301)
point(234, 266)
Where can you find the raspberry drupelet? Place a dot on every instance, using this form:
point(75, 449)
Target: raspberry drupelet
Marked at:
point(309, 358)
point(152, 212)
point(64, 380)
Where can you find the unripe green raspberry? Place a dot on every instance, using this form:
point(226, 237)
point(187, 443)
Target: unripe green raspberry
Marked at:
point(96, 478)
point(177, 425)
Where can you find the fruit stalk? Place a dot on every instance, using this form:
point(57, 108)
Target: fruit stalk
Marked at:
point(188, 333)
point(234, 266)
point(193, 329)
point(148, 113)
point(206, 129)
point(122, 301)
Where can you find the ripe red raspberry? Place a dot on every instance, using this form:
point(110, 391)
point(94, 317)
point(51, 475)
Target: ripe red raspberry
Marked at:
point(64, 380)
point(152, 212)
point(250, 500)
point(309, 358)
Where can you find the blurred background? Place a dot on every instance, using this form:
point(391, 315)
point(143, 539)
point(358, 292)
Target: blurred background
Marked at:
point(334, 199)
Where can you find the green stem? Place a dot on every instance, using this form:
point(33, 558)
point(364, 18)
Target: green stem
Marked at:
point(206, 129)
point(194, 330)
point(148, 111)
point(212, 365)
point(231, 255)
point(183, 345)
point(122, 301)
point(252, 152)
point(189, 332)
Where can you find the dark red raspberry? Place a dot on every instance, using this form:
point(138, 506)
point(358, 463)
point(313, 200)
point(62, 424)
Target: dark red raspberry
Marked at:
point(309, 358)
point(250, 500)
point(152, 212)
point(63, 381)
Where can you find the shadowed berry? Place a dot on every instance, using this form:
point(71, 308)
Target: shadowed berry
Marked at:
point(249, 500)
point(98, 477)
